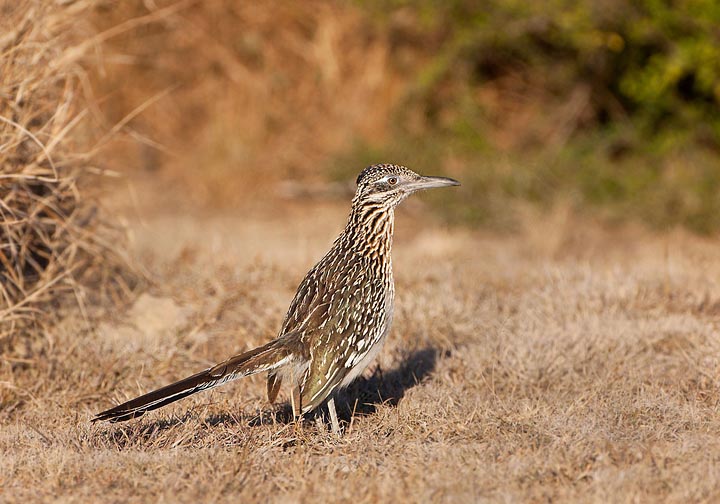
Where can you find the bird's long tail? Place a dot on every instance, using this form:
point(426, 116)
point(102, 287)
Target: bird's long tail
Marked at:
point(271, 356)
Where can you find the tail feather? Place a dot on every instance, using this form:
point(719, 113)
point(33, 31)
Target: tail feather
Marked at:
point(265, 358)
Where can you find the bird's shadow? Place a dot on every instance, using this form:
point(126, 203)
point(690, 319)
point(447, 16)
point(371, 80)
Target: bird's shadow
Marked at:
point(362, 397)
point(365, 394)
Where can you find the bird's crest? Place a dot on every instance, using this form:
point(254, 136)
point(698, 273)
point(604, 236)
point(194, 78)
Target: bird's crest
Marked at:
point(377, 171)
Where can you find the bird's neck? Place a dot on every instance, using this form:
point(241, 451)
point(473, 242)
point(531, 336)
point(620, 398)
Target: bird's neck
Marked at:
point(370, 229)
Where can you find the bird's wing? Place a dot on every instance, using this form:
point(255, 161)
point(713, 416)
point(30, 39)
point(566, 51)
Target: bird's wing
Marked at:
point(348, 334)
point(313, 305)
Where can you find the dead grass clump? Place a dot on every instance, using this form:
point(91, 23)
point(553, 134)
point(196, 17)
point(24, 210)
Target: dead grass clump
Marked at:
point(52, 239)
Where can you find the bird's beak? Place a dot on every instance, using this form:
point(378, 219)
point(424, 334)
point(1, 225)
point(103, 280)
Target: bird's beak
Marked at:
point(430, 183)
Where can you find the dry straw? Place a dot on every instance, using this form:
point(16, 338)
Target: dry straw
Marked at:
point(53, 240)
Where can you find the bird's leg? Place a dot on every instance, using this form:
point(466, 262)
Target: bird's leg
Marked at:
point(333, 417)
point(295, 402)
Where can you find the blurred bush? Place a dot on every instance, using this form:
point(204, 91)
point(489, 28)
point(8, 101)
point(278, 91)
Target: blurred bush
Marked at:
point(610, 105)
point(235, 97)
point(655, 63)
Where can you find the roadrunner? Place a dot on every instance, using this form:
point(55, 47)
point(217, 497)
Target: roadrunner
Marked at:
point(338, 319)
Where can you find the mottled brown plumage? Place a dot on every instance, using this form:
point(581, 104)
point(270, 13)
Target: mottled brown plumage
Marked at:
point(339, 317)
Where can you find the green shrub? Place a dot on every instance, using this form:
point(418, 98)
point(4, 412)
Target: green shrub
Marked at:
point(657, 62)
point(646, 147)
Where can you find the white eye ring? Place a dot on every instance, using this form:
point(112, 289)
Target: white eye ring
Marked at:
point(392, 180)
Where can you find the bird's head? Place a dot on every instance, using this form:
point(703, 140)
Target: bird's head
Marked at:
point(388, 184)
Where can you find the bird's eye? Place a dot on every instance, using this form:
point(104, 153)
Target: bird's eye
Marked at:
point(392, 180)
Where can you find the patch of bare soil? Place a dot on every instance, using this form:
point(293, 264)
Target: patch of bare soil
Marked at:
point(563, 363)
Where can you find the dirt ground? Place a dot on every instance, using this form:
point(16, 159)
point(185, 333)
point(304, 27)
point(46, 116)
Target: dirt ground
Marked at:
point(562, 363)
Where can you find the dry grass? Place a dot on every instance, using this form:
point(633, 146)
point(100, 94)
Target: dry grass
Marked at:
point(566, 363)
point(52, 238)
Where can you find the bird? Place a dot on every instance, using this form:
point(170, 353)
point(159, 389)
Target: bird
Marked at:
point(338, 319)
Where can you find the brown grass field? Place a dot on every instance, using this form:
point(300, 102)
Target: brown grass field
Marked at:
point(564, 363)
point(557, 360)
